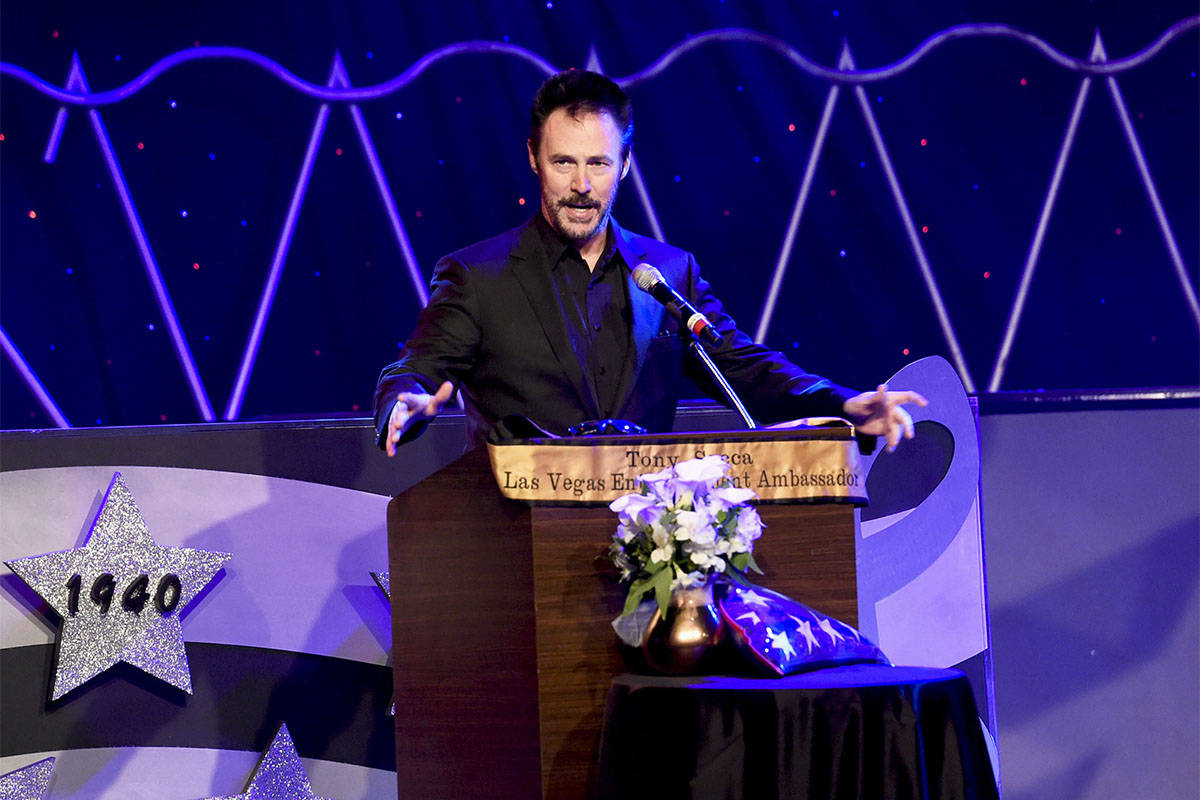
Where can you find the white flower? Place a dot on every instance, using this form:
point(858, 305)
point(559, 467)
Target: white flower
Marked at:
point(728, 496)
point(663, 553)
point(635, 509)
point(659, 485)
point(706, 560)
point(664, 544)
point(707, 470)
point(686, 580)
point(694, 525)
point(682, 520)
point(749, 525)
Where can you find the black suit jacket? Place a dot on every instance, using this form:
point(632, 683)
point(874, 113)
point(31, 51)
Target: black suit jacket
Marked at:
point(495, 327)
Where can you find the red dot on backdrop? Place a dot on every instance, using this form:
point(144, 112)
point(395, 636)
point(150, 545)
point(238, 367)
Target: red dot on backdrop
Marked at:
point(987, 275)
point(1118, 231)
point(316, 352)
point(727, 212)
point(1023, 81)
point(32, 214)
point(833, 192)
point(54, 34)
point(906, 351)
point(162, 417)
point(1, 137)
point(195, 265)
point(338, 151)
point(418, 215)
point(924, 142)
point(791, 126)
point(924, 229)
point(520, 201)
point(141, 145)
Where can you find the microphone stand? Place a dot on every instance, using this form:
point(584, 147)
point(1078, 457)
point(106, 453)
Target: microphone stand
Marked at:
point(730, 394)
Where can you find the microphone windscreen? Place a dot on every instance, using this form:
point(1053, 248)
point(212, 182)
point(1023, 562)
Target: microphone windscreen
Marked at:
point(645, 276)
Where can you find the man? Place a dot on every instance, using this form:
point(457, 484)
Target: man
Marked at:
point(545, 321)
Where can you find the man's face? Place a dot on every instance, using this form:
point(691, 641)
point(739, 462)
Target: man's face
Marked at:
point(579, 165)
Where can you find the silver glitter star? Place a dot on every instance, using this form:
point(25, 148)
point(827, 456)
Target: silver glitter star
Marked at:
point(279, 776)
point(27, 783)
point(119, 596)
point(384, 579)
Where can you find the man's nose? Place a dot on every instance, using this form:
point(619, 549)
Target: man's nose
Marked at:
point(580, 183)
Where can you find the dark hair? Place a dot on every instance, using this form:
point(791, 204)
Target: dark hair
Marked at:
point(580, 91)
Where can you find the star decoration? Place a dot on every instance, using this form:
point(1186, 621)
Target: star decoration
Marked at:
point(384, 579)
point(810, 641)
point(279, 775)
point(750, 615)
point(753, 598)
point(834, 636)
point(781, 642)
point(120, 596)
point(27, 783)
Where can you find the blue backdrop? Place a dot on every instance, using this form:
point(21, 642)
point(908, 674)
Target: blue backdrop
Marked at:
point(210, 154)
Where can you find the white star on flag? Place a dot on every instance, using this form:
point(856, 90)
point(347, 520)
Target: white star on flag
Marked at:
point(780, 641)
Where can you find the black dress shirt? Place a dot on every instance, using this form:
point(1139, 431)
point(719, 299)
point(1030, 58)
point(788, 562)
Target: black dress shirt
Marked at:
point(595, 304)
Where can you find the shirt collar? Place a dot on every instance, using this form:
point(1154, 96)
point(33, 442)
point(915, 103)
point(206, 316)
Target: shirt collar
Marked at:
point(557, 248)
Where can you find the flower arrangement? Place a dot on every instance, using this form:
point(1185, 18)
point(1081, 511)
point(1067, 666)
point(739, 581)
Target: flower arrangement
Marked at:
point(683, 525)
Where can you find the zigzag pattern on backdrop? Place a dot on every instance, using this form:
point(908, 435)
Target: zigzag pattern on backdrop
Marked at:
point(338, 89)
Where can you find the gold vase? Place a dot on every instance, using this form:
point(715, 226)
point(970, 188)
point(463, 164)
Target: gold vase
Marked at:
point(685, 639)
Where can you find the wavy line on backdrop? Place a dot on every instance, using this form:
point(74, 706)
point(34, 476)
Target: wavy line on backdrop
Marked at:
point(357, 94)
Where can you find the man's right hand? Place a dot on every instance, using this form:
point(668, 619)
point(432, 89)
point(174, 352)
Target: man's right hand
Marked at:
point(412, 407)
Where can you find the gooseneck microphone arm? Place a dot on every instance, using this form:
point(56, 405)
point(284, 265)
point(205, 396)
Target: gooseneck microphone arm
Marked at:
point(650, 280)
point(728, 391)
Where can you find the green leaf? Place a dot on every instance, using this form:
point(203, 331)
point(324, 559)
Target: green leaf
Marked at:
point(750, 562)
point(637, 590)
point(662, 589)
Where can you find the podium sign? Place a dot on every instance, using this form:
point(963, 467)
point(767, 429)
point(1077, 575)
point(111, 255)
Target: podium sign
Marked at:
point(820, 464)
point(501, 610)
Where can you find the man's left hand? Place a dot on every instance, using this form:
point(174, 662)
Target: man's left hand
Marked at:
point(879, 413)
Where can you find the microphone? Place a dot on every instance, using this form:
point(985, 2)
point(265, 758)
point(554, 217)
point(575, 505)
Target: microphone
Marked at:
point(650, 280)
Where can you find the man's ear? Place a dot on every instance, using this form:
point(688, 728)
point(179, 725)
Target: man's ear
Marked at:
point(625, 166)
point(532, 158)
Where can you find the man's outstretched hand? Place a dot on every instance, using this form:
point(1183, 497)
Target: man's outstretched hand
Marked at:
point(413, 407)
point(879, 413)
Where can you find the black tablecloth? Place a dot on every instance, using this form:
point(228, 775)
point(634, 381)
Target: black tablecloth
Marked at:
point(862, 732)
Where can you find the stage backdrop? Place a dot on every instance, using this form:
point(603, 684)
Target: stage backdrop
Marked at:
point(231, 210)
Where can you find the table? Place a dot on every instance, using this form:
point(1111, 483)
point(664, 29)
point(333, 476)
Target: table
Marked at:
point(864, 732)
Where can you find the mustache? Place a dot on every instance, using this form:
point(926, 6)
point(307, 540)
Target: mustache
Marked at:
point(579, 201)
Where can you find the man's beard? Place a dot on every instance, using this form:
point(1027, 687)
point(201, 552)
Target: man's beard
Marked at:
point(573, 230)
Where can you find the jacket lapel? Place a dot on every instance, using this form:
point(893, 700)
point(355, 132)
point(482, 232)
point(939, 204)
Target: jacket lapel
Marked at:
point(538, 286)
point(647, 312)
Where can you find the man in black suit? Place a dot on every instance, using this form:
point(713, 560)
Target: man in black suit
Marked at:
point(545, 320)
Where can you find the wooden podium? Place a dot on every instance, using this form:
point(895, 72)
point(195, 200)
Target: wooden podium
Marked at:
point(502, 643)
